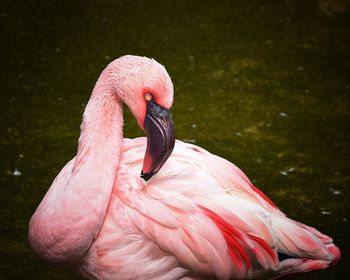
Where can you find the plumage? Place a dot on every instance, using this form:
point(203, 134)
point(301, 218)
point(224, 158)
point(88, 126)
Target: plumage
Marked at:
point(199, 216)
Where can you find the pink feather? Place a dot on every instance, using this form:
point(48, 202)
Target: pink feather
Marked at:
point(199, 216)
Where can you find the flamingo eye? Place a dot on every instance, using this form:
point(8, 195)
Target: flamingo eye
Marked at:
point(148, 97)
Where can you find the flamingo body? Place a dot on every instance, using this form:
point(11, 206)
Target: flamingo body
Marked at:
point(199, 216)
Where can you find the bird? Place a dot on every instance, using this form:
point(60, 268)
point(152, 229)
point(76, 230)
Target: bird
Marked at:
point(158, 208)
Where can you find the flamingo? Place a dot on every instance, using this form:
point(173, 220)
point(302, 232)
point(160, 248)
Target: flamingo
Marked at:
point(188, 215)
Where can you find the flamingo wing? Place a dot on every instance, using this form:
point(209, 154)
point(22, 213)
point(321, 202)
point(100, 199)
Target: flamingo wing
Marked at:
point(186, 211)
point(204, 211)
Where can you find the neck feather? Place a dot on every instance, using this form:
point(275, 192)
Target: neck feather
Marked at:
point(102, 127)
point(72, 212)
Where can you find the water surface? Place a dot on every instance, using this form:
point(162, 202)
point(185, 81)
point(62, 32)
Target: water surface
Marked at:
point(264, 84)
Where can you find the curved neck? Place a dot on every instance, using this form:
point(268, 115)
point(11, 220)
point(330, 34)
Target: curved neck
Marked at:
point(72, 212)
point(102, 127)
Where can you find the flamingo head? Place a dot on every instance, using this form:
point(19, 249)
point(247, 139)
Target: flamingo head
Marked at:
point(145, 86)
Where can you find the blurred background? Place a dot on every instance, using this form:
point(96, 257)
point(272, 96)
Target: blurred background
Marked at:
point(264, 84)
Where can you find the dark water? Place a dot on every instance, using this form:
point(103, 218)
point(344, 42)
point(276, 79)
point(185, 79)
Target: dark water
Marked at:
point(264, 84)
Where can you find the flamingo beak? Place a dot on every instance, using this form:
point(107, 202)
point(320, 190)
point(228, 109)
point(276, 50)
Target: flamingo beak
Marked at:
point(159, 129)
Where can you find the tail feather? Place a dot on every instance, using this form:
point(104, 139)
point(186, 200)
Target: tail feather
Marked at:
point(323, 237)
point(309, 249)
point(298, 241)
point(292, 267)
point(334, 250)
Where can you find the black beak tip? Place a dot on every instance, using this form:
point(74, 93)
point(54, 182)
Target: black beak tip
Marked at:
point(147, 176)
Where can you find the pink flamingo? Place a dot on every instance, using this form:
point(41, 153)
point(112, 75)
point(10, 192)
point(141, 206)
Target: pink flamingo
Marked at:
point(199, 217)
